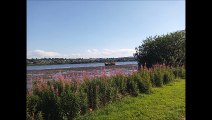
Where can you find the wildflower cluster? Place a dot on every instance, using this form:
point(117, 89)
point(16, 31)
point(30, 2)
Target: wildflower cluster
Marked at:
point(65, 98)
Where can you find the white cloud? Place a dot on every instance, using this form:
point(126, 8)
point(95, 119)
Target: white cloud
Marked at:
point(105, 53)
point(42, 54)
point(90, 53)
point(127, 50)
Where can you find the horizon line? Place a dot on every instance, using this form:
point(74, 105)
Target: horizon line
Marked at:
point(79, 57)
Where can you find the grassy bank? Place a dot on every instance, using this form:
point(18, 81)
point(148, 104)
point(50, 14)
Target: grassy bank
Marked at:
point(166, 103)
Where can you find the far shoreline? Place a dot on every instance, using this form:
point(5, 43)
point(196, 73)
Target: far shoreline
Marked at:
point(75, 63)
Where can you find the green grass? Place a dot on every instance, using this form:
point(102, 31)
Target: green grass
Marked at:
point(165, 103)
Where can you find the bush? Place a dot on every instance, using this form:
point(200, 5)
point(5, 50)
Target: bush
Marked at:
point(179, 72)
point(70, 104)
point(58, 86)
point(103, 92)
point(107, 90)
point(33, 116)
point(158, 77)
point(32, 103)
point(152, 80)
point(114, 94)
point(131, 86)
point(168, 76)
point(74, 86)
point(40, 116)
point(30, 116)
point(49, 104)
point(119, 82)
point(83, 100)
point(182, 72)
point(92, 93)
point(144, 83)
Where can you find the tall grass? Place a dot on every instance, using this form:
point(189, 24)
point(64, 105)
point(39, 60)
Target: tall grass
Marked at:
point(144, 83)
point(179, 72)
point(67, 99)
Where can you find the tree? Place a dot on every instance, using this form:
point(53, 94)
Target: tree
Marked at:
point(166, 49)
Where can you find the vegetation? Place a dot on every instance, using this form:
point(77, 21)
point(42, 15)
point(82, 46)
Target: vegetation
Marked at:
point(65, 99)
point(166, 103)
point(165, 49)
point(52, 61)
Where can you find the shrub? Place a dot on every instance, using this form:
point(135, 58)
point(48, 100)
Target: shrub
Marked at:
point(107, 92)
point(136, 78)
point(179, 72)
point(102, 93)
point(131, 86)
point(158, 77)
point(113, 93)
point(39, 116)
point(152, 80)
point(34, 116)
point(58, 86)
point(144, 83)
point(168, 76)
point(182, 72)
point(32, 103)
point(74, 86)
point(30, 116)
point(83, 100)
point(49, 104)
point(92, 93)
point(119, 83)
point(70, 104)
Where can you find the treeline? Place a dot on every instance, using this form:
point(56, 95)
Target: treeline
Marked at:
point(51, 61)
point(65, 100)
point(166, 49)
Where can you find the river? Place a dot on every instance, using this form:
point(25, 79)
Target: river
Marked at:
point(43, 67)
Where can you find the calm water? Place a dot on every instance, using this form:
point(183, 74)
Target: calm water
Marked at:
point(42, 67)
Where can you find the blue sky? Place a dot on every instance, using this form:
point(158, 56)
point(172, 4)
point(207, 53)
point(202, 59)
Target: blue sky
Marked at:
point(92, 29)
